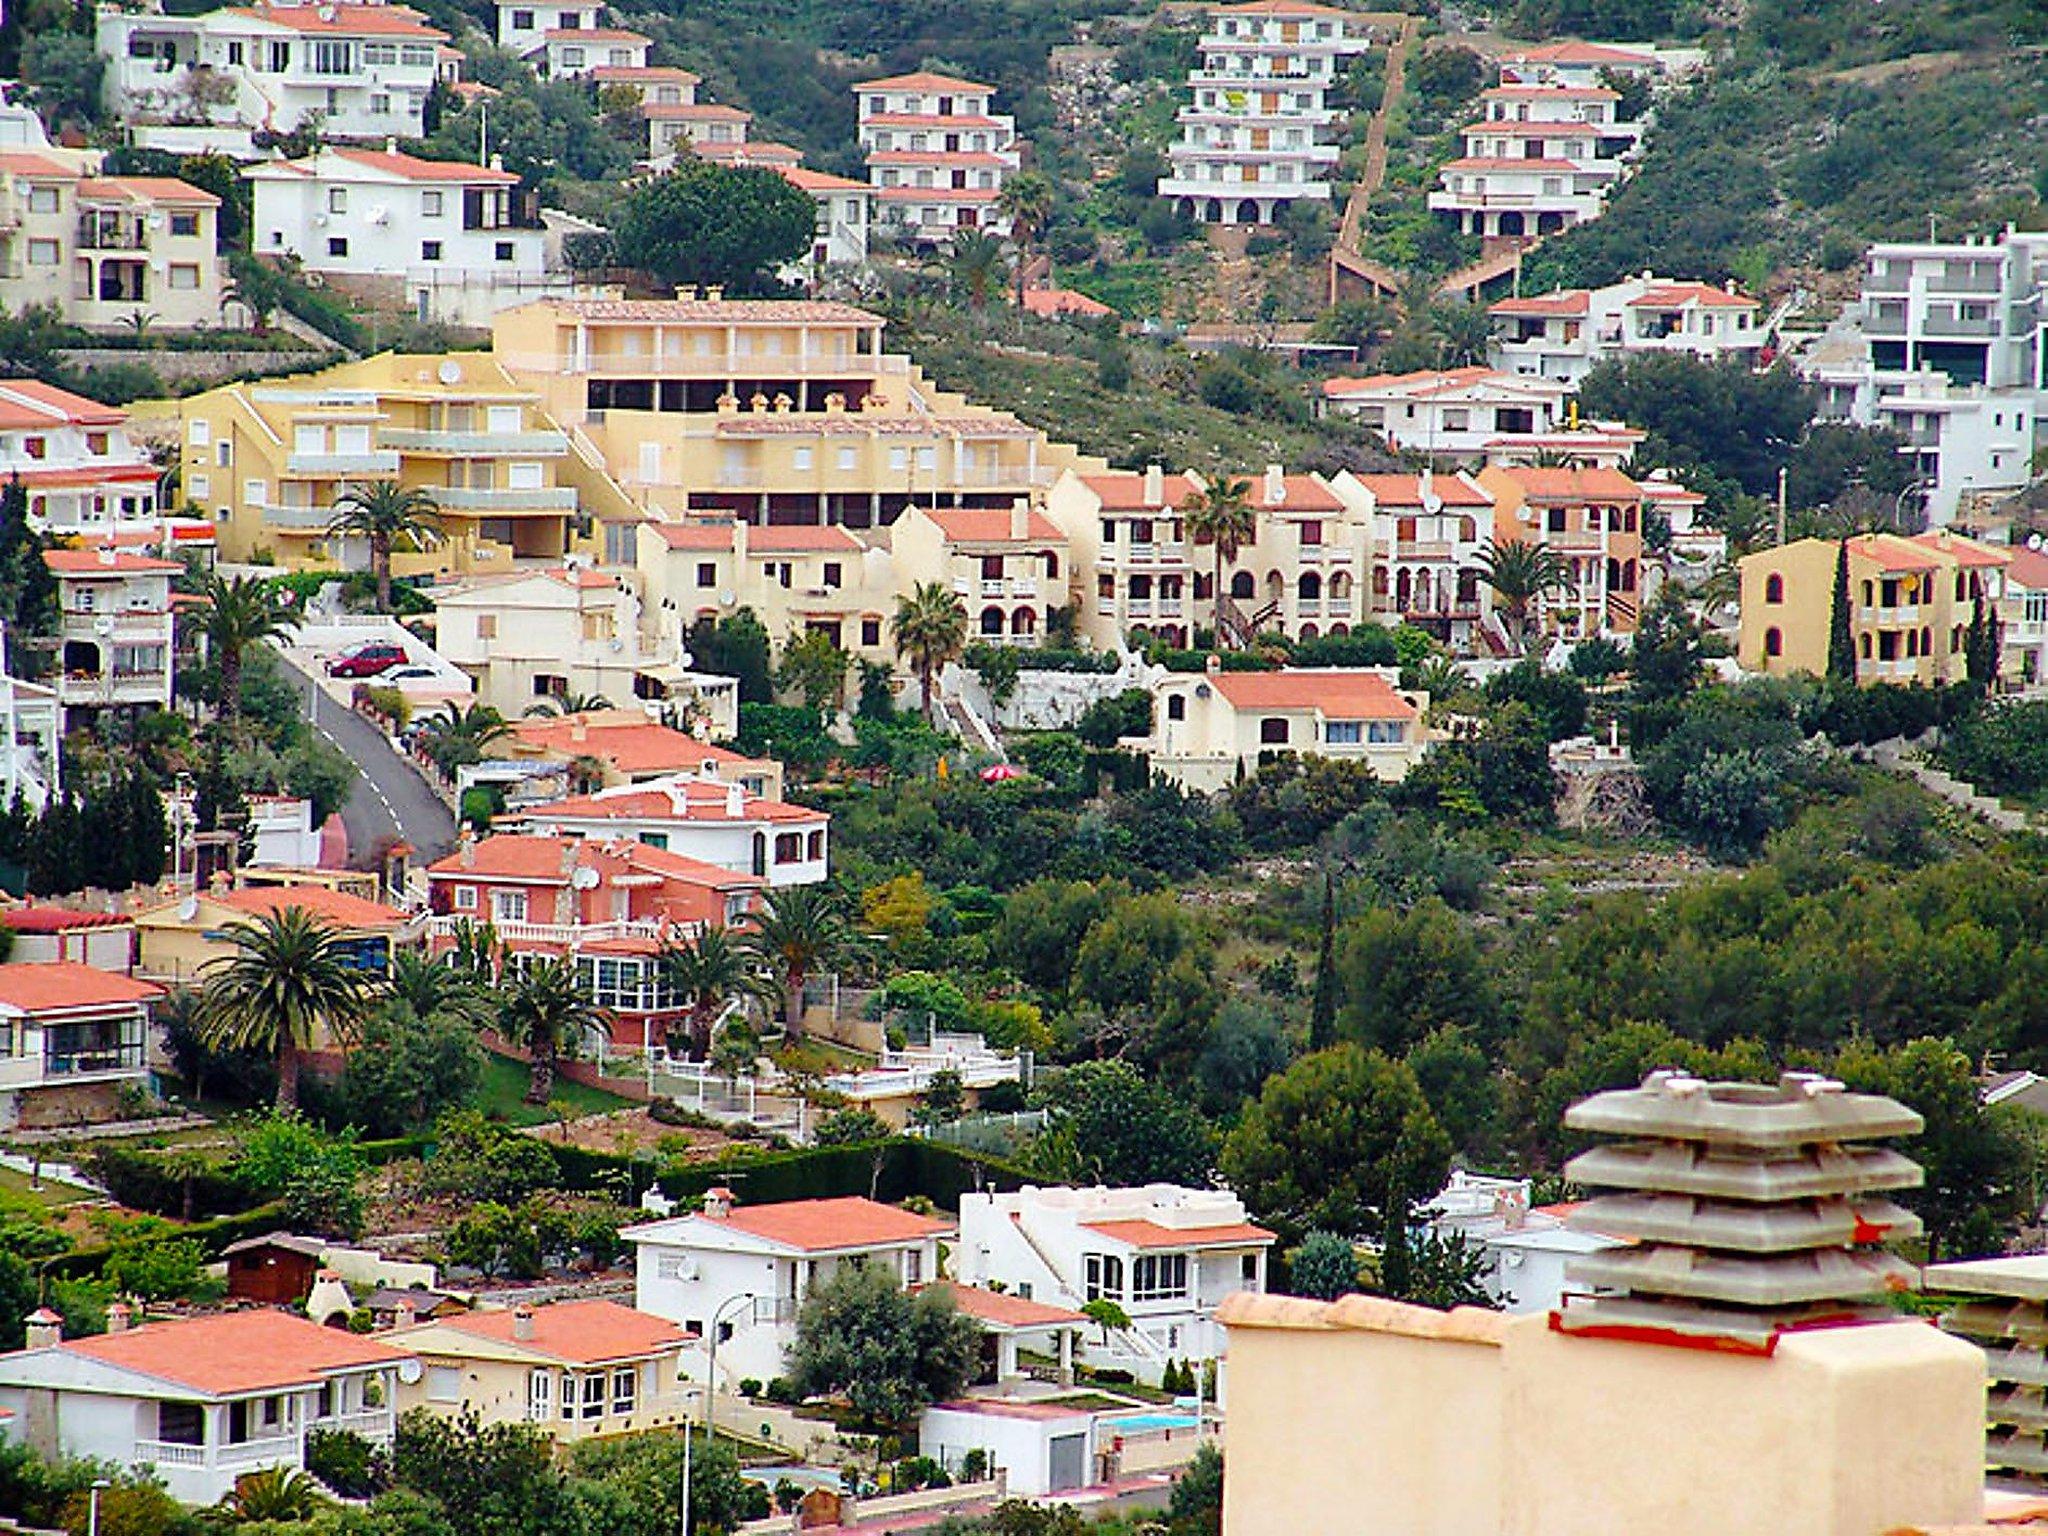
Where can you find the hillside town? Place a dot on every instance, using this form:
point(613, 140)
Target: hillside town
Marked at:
point(1089, 770)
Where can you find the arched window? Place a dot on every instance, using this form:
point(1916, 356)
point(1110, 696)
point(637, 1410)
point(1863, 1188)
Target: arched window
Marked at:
point(991, 621)
point(1024, 622)
point(1242, 585)
point(1962, 585)
point(1774, 588)
point(1052, 563)
point(1310, 586)
point(1774, 643)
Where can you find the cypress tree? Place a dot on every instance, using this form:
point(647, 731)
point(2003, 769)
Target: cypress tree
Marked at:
point(1841, 643)
point(1322, 1016)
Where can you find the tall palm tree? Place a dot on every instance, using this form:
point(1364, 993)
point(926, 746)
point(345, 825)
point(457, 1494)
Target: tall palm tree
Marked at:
point(801, 931)
point(569, 704)
point(456, 738)
point(931, 630)
point(383, 511)
point(545, 1013)
point(975, 266)
point(290, 978)
point(1221, 514)
point(709, 971)
point(1026, 201)
point(1521, 574)
point(241, 610)
point(433, 988)
point(1462, 332)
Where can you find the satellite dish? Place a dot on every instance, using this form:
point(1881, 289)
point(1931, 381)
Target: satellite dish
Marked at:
point(188, 909)
point(450, 371)
point(585, 879)
point(409, 1370)
point(2033, 541)
point(727, 598)
point(1432, 503)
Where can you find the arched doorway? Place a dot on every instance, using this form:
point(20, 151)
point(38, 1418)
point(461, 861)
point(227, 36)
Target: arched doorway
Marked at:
point(1511, 224)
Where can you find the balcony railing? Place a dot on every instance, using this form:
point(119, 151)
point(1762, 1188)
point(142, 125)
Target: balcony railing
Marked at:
point(516, 932)
point(545, 445)
point(282, 515)
point(469, 498)
point(265, 1451)
point(371, 462)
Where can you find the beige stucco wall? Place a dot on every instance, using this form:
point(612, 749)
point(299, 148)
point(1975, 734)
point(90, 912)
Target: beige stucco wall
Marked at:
point(496, 1390)
point(1802, 619)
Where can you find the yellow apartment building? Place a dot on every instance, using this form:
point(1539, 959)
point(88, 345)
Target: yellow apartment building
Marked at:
point(267, 460)
point(1009, 567)
point(776, 412)
point(794, 578)
point(1910, 605)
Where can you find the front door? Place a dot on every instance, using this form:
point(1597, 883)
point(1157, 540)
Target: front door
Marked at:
point(1068, 1466)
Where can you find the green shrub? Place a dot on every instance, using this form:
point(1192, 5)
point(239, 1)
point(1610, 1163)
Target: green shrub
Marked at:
point(347, 1463)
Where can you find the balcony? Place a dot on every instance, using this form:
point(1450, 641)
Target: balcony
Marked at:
point(1150, 556)
point(1898, 615)
point(370, 1423)
point(111, 233)
point(1326, 554)
point(379, 462)
point(556, 499)
point(515, 932)
point(1583, 541)
point(1941, 322)
point(677, 364)
point(475, 445)
point(270, 1450)
point(1425, 549)
point(116, 623)
point(282, 515)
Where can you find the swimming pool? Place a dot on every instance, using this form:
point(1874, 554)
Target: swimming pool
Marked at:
point(1151, 1423)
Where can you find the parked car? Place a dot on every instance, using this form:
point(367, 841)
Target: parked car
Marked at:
point(409, 675)
point(367, 660)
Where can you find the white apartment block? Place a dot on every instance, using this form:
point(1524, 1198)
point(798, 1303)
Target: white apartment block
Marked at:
point(937, 153)
point(85, 477)
point(1563, 335)
point(706, 128)
point(699, 818)
point(846, 213)
point(105, 250)
point(457, 242)
point(360, 71)
point(1254, 138)
point(570, 39)
point(1540, 159)
point(1461, 414)
point(114, 629)
point(1577, 65)
point(1165, 1254)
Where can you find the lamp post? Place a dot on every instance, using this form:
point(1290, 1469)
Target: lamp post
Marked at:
point(710, 1397)
point(92, 1507)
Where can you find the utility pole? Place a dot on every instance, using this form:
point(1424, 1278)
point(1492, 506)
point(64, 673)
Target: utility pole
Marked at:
point(1781, 504)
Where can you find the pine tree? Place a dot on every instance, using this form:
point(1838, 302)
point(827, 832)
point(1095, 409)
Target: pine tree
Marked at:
point(1981, 645)
point(149, 828)
point(1841, 643)
point(1322, 1016)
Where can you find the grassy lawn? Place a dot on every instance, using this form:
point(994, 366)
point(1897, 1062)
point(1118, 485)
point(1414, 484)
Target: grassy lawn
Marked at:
point(501, 1095)
point(15, 1190)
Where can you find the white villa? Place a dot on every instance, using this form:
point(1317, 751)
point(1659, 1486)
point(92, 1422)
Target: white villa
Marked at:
point(1541, 158)
point(1166, 1255)
point(200, 1401)
point(1461, 414)
point(737, 1274)
point(1562, 335)
point(114, 626)
point(938, 153)
point(703, 819)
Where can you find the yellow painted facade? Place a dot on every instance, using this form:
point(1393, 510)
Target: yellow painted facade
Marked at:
point(508, 1383)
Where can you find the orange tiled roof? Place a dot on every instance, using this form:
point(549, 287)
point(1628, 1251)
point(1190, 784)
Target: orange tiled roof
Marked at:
point(823, 1226)
point(922, 80)
point(538, 859)
point(1667, 294)
point(236, 1352)
point(1149, 1234)
point(1341, 692)
point(700, 800)
point(625, 738)
point(1002, 1309)
point(1566, 302)
point(991, 525)
point(2029, 569)
point(592, 1332)
point(1422, 382)
point(1965, 552)
point(146, 189)
point(345, 20)
point(413, 168)
point(1053, 302)
point(42, 987)
point(819, 181)
point(32, 403)
point(1559, 484)
point(1298, 493)
point(1124, 491)
point(1406, 490)
point(96, 562)
point(1889, 552)
point(337, 907)
point(1578, 53)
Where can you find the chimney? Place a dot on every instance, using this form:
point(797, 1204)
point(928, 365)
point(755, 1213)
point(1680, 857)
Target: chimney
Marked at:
point(328, 1299)
point(735, 803)
point(739, 541)
point(497, 162)
point(1155, 485)
point(404, 1315)
point(465, 848)
point(120, 1317)
point(713, 293)
point(579, 729)
point(522, 1324)
point(1213, 665)
point(572, 855)
point(1020, 520)
point(1276, 485)
point(390, 146)
point(686, 293)
point(45, 1328)
point(717, 1202)
point(107, 556)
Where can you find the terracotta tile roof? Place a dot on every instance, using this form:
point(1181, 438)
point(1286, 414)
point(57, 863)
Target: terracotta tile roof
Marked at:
point(754, 154)
point(965, 159)
point(1282, 8)
point(1502, 163)
point(594, 35)
point(1149, 1234)
point(991, 525)
point(110, 474)
point(37, 917)
point(643, 74)
point(825, 1226)
point(1667, 295)
point(820, 181)
point(1493, 128)
point(922, 80)
point(337, 907)
point(1053, 302)
point(32, 403)
point(678, 800)
point(145, 189)
point(624, 738)
point(1406, 490)
point(1337, 692)
point(938, 194)
point(1889, 552)
point(1554, 484)
point(1427, 381)
point(714, 311)
point(16, 162)
point(345, 20)
point(780, 539)
point(575, 1332)
point(539, 859)
point(1566, 302)
point(1965, 552)
point(1578, 53)
point(413, 168)
point(95, 562)
point(236, 1352)
point(2029, 569)
point(1298, 493)
point(1002, 1309)
point(32, 987)
point(1124, 491)
point(693, 112)
point(1561, 92)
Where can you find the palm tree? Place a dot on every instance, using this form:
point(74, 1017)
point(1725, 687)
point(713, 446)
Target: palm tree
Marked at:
point(291, 978)
point(801, 931)
point(241, 610)
point(1462, 332)
point(280, 1494)
point(456, 738)
point(569, 704)
point(708, 971)
point(383, 511)
point(1026, 201)
point(1221, 514)
point(1442, 679)
point(975, 266)
point(434, 988)
point(545, 1013)
point(931, 630)
point(1520, 574)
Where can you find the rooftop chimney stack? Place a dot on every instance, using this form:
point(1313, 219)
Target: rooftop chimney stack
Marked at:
point(1020, 520)
point(404, 1315)
point(735, 802)
point(522, 1324)
point(120, 1317)
point(718, 1202)
point(45, 1329)
point(465, 847)
point(1276, 485)
point(1749, 1209)
point(1155, 485)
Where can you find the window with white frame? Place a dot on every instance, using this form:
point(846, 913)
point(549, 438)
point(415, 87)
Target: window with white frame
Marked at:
point(465, 898)
point(508, 906)
point(625, 1390)
point(1159, 1276)
point(1103, 1277)
point(593, 1395)
point(540, 1397)
point(1343, 733)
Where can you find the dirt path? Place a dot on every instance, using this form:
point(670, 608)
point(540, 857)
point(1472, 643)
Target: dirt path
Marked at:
point(1375, 169)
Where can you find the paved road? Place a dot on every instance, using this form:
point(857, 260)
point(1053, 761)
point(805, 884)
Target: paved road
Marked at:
point(390, 799)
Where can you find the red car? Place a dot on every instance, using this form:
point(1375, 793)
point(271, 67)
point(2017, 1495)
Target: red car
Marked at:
point(367, 660)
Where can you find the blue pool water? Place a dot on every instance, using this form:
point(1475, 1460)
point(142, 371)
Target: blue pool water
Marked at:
point(1142, 1423)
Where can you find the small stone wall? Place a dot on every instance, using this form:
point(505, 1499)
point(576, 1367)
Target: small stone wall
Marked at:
point(178, 368)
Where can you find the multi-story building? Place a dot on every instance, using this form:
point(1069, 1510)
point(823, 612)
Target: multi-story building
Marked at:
point(84, 477)
point(360, 71)
point(1427, 534)
point(31, 754)
point(2024, 615)
point(629, 748)
point(1539, 160)
point(702, 819)
point(747, 1268)
point(198, 1402)
point(1307, 570)
point(1009, 568)
point(1911, 602)
point(1210, 729)
point(71, 1036)
point(452, 241)
point(705, 128)
point(937, 152)
point(568, 40)
point(114, 629)
point(793, 579)
point(1965, 443)
point(1125, 527)
point(1593, 520)
point(846, 212)
point(267, 460)
point(609, 907)
point(106, 251)
point(1465, 415)
point(1575, 65)
point(1255, 137)
point(769, 411)
point(1562, 335)
point(1164, 1254)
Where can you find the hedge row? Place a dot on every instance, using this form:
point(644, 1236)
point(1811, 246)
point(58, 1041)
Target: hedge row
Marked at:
point(907, 1166)
point(213, 1236)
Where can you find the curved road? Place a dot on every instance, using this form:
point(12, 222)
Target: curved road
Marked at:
point(389, 800)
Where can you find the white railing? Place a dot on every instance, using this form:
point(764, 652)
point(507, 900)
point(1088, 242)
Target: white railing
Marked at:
point(266, 1450)
point(514, 932)
point(463, 498)
point(370, 1423)
point(372, 463)
point(551, 445)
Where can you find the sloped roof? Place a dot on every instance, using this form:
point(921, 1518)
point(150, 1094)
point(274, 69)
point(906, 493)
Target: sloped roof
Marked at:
point(1124, 491)
point(824, 1226)
point(50, 986)
point(98, 562)
point(1003, 1310)
point(1566, 302)
point(1149, 1234)
point(338, 907)
point(991, 525)
point(1406, 490)
point(32, 403)
point(591, 1332)
point(1548, 483)
point(1344, 692)
point(922, 80)
point(236, 1352)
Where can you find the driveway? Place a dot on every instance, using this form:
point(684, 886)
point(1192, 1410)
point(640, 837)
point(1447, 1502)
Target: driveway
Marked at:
point(389, 799)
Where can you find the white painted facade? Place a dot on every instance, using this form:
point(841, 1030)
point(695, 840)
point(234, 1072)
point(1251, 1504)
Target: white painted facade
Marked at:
point(1525, 1250)
point(1564, 335)
point(702, 819)
point(1459, 414)
point(1255, 135)
point(937, 152)
point(31, 733)
point(84, 476)
point(1040, 1448)
point(846, 213)
point(114, 629)
point(1167, 1255)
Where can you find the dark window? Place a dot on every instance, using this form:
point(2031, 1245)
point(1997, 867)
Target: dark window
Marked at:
point(504, 250)
point(1176, 707)
point(832, 573)
point(338, 246)
point(870, 631)
point(430, 250)
point(1774, 591)
point(707, 574)
point(1273, 731)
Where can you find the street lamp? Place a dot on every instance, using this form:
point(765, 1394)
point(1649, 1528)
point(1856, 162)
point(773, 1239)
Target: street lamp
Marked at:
point(92, 1508)
point(710, 1395)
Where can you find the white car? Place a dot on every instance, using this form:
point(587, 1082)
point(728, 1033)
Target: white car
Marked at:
point(409, 674)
